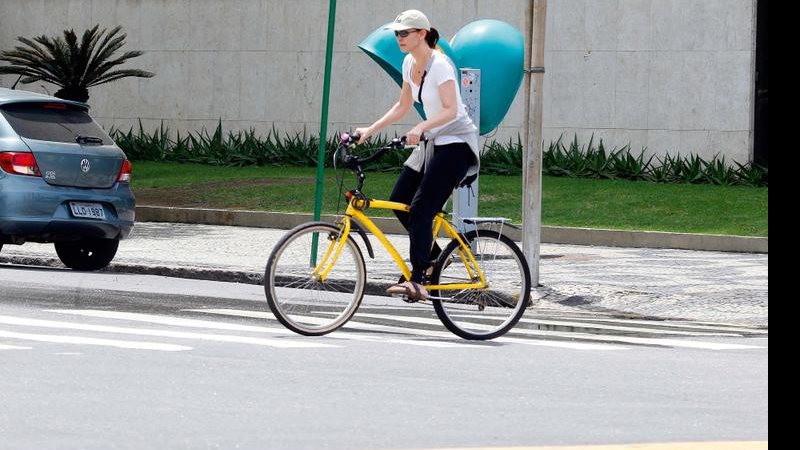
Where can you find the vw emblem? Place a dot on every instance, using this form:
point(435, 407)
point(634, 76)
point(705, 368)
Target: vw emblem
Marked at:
point(85, 165)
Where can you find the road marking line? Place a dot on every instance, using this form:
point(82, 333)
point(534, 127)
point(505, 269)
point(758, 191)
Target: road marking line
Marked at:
point(195, 323)
point(677, 324)
point(173, 321)
point(351, 326)
point(59, 339)
point(621, 328)
point(355, 323)
point(591, 337)
point(237, 313)
point(9, 320)
point(661, 342)
point(588, 320)
point(509, 339)
point(13, 347)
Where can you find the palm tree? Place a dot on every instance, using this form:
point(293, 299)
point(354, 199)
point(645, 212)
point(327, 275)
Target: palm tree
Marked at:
point(72, 66)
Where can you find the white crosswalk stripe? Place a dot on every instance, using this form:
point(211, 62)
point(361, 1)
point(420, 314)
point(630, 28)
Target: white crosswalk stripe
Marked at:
point(193, 323)
point(627, 329)
point(585, 336)
point(404, 326)
point(355, 324)
point(8, 320)
point(677, 325)
point(61, 339)
point(13, 347)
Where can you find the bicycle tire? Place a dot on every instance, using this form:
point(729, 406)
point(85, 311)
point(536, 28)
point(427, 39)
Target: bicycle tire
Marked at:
point(481, 314)
point(297, 298)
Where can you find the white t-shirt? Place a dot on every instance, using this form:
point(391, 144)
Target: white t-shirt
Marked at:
point(442, 70)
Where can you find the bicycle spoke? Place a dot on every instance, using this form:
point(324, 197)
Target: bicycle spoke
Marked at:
point(483, 313)
point(297, 296)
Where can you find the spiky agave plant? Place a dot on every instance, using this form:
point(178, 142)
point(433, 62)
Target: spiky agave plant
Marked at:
point(73, 66)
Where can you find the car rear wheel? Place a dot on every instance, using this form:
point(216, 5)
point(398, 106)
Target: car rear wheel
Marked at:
point(87, 254)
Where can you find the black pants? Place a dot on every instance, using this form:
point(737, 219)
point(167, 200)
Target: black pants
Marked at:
point(427, 193)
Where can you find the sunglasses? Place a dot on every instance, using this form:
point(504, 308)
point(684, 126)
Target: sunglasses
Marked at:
point(405, 33)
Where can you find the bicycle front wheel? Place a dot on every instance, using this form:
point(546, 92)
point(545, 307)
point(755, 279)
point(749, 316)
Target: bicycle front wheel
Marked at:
point(493, 310)
point(302, 299)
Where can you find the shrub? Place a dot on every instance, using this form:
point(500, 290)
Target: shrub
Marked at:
point(244, 148)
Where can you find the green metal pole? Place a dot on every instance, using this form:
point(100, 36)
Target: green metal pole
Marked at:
point(323, 125)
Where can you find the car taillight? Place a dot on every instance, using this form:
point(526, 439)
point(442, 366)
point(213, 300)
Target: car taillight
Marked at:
point(19, 163)
point(125, 172)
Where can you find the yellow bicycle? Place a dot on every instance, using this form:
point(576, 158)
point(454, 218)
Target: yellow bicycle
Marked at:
point(316, 274)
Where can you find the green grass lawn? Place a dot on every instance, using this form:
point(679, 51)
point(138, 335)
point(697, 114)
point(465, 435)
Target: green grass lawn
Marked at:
point(571, 202)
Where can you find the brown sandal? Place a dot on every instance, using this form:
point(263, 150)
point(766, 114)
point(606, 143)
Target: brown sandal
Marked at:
point(413, 291)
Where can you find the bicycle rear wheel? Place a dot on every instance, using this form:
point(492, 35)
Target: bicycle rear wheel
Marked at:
point(298, 297)
point(490, 312)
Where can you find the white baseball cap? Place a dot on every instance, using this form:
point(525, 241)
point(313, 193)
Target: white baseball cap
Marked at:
point(409, 19)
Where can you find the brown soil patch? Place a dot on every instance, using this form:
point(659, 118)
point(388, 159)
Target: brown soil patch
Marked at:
point(193, 195)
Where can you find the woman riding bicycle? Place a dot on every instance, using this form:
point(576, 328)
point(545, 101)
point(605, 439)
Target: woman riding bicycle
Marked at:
point(430, 174)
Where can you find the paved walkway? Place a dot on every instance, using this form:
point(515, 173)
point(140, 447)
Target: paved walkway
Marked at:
point(638, 282)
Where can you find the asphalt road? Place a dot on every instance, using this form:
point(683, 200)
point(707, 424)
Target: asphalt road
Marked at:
point(119, 361)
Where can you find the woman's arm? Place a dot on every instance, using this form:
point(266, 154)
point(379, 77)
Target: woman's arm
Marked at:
point(447, 92)
point(395, 113)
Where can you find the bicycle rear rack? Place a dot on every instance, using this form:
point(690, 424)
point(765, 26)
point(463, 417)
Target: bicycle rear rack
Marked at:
point(502, 221)
point(491, 220)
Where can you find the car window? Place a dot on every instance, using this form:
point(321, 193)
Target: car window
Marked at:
point(59, 122)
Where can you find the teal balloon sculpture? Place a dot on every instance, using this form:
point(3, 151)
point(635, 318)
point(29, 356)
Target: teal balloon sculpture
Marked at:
point(493, 46)
point(381, 46)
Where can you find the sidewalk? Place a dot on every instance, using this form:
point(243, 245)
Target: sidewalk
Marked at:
point(693, 285)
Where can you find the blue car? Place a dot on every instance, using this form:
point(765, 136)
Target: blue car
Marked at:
point(62, 180)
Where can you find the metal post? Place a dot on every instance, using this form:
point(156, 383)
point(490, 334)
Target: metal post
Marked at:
point(532, 170)
point(465, 203)
point(323, 124)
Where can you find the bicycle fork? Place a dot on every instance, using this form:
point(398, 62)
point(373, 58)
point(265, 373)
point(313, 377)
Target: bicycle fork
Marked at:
point(335, 246)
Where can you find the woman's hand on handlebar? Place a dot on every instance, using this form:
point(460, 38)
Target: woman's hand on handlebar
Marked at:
point(365, 133)
point(413, 136)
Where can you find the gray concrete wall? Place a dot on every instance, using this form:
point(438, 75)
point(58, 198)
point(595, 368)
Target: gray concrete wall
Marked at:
point(670, 75)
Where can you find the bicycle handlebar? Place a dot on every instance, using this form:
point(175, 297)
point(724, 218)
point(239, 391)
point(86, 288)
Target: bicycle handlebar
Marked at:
point(355, 163)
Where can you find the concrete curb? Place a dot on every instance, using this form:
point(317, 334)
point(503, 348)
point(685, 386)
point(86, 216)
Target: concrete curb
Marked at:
point(372, 287)
point(550, 235)
point(193, 273)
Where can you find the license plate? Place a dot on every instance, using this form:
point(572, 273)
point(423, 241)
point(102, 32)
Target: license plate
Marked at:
point(87, 210)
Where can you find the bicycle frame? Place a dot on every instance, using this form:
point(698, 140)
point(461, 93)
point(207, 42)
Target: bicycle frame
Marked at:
point(355, 211)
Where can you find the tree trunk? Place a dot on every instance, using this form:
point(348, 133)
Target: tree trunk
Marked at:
point(76, 93)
